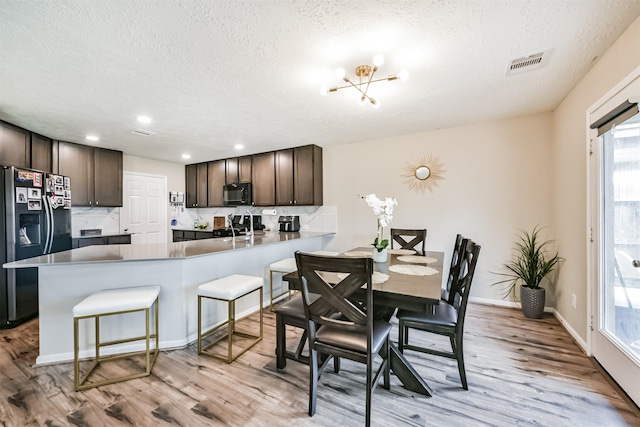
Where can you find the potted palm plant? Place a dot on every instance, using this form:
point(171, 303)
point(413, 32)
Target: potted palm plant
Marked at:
point(531, 264)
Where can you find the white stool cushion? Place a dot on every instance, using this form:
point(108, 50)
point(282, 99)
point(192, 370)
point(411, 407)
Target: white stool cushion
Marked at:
point(230, 287)
point(115, 300)
point(284, 266)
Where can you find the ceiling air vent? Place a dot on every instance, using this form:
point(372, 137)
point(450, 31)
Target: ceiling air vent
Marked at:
point(142, 132)
point(528, 63)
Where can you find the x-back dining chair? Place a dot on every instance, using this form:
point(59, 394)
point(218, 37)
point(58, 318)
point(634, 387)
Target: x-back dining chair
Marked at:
point(401, 236)
point(454, 268)
point(336, 325)
point(447, 319)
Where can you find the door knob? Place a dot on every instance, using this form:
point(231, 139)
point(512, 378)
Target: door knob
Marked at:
point(636, 263)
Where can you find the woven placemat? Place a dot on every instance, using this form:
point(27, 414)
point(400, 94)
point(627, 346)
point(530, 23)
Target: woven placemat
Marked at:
point(325, 253)
point(401, 252)
point(417, 259)
point(413, 270)
point(377, 277)
point(359, 253)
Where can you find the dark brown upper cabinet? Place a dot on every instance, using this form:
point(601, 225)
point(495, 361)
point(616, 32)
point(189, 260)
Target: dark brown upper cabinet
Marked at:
point(284, 177)
point(216, 183)
point(280, 178)
point(96, 174)
point(107, 184)
point(196, 179)
point(76, 162)
point(307, 175)
point(238, 170)
point(203, 173)
point(299, 176)
point(41, 153)
point(244, 169)
point(191, 178)
point(263, 179)
point(232, 170)
point(15, 146)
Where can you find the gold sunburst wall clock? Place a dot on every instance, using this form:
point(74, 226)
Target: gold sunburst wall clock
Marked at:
point(424, 173)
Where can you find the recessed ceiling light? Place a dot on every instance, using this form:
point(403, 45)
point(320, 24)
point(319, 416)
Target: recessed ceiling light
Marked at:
point(92, 138)
point(186, 156)
point(238, 146)
point(144, 119)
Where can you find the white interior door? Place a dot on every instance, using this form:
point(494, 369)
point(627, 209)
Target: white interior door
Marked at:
point(144, 210)
point(615, 168)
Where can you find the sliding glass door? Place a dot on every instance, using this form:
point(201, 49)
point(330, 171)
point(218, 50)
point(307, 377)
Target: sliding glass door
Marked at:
point(616, 320)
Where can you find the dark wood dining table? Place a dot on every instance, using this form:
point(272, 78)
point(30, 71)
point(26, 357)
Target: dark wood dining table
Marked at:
point(405, 291)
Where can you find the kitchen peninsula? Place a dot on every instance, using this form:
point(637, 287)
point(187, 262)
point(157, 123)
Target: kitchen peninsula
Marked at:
point(65, 278)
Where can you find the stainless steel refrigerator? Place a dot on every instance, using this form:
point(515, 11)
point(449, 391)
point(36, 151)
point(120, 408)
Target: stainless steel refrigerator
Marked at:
point(35, 215)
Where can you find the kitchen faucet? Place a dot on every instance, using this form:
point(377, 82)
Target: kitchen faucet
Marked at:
point(233, 230)
point(249, 233)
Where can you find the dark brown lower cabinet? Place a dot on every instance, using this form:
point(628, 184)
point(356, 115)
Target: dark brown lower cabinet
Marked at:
point(187, 235)
point(81, 242)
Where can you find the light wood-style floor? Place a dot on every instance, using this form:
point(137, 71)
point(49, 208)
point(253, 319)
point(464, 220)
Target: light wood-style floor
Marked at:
point(520, 372)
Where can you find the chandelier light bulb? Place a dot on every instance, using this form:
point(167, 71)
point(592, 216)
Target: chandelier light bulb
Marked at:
point(403, 75)
point(378, 60)
point(376, 104)
point(362, 100)
point(340, 73)
point(324, 90)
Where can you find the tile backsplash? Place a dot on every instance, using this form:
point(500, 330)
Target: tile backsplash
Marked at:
point(312, 218)
point(107, 219)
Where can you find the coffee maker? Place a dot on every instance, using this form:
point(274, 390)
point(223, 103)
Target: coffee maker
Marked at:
point(288, 223)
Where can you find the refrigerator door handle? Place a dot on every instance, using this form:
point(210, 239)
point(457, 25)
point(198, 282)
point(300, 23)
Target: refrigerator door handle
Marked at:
point(45, 202)
point(53, 227)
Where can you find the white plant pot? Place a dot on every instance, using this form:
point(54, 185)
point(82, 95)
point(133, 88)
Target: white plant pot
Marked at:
point(380, 256)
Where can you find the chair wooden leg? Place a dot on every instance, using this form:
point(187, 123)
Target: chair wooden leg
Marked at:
point(369, 391)
point(402, 332)
point(460, 357)
point(387, 367)
point(281, 342)
point(313, 380)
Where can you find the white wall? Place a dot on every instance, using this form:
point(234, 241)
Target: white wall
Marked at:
point(173, 171)
point(108, 219)
point(497, 180)
point(570, 158)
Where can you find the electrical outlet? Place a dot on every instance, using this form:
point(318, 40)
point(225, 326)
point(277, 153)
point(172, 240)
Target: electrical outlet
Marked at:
point(573, 301)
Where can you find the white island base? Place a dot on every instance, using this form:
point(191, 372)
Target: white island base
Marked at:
point(68, 277)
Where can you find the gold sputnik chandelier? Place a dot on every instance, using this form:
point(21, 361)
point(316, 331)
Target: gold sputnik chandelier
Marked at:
point(365, 74)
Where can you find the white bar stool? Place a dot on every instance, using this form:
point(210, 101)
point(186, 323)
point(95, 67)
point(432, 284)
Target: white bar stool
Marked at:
point(286, 266)
point(228, 289)
point(110, 303)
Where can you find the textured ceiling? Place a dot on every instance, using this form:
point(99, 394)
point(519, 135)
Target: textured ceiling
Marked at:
point(213, 73)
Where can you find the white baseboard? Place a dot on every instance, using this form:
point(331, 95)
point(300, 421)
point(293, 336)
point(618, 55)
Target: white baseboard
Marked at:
point(577, 338)
point(501, 303)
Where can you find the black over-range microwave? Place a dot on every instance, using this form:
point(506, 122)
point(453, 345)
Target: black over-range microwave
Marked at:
point(238, 194)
